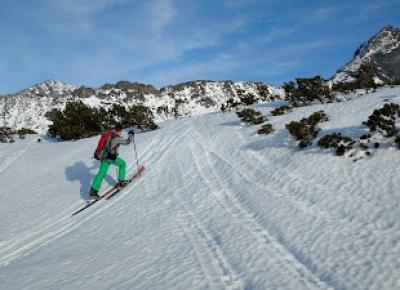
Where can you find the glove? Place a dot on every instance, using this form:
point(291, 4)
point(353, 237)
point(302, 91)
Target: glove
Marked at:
point(131, 132)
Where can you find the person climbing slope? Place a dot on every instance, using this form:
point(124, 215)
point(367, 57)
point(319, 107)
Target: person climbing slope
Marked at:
point(107, 153)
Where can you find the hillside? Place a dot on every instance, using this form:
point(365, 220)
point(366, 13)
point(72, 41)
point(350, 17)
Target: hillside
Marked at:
point(29, 108)
point(219, 207)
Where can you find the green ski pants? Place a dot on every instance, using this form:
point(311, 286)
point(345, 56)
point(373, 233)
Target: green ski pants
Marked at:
point(105, 164)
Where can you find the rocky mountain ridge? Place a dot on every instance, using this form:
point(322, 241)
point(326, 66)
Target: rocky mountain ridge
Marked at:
point(382, 51)
point(29, 108)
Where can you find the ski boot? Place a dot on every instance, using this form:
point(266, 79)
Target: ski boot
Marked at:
point(123, 183)
point(93, 194)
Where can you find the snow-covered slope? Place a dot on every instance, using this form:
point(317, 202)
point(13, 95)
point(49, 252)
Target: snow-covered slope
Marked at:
point(28, 108)
point(382, 51)
point(219, 207)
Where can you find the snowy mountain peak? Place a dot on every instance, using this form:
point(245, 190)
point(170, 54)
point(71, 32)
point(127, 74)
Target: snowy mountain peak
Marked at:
point(387, 39)
point(49, 87)
point(382, 51)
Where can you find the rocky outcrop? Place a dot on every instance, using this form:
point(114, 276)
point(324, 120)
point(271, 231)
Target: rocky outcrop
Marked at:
point(382, 51)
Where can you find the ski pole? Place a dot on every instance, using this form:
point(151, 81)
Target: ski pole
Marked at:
point(137, 159)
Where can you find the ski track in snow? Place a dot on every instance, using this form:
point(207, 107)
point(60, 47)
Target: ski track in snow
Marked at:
point(268, 246)
point(12, 158)
point(193, 228)
point(45, 233)
point(295, 199)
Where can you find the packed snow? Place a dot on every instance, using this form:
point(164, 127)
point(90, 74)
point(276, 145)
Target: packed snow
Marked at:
point(218, 207)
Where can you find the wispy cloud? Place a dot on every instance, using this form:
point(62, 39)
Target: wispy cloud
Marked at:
point(162, 13)
point(71, 18)
point(242, 3)
point(82, 7)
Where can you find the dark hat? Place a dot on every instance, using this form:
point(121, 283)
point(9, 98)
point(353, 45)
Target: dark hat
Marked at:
point(118, 127)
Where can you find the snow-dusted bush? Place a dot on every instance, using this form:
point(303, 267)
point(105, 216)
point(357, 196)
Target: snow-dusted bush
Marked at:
point(397, 141)
point(266, 129)
point(365, 136)
point(24, 131)
point(230, 104)
point(250, 116)
point(177, 109)
point(248, 99)
point(162, 110)
point(340, 143)
point(206, 102)
point(84, 92)
point(135, 116)
point(306, 129)
point(384, 120)
point(304, 91)
point(6, 135)
point(364, 79)
point(281, 110)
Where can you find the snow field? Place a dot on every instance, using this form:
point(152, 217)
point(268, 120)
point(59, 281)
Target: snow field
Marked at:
point(218, 207)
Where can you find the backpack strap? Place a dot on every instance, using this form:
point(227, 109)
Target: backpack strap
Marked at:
point(113, 136)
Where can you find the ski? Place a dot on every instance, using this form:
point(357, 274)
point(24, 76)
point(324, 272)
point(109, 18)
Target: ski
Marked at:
point(110, 192)
point(88, 204)
point(133, 178)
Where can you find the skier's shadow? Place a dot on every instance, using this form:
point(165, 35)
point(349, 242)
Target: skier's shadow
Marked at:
point(85, 175)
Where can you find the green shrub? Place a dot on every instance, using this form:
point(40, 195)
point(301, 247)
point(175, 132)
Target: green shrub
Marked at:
point(266, 129)
point(162, 110)
point(365, 76)
point(306, 129)
point(178, 103)
point(397, 141)
point(78, 120)
point(6, 135)
point(318, 117)
point(364, 79)
point(250, 116)
point(384, 119)
point(25, 131)
point(307, 90)
point(248, 99)
point(231, 103)
point(141, 117)
point(281, 110)
point(340, 143)
point(84, 92)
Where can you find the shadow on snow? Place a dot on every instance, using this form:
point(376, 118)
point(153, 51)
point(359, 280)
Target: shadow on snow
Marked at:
point(85, 175)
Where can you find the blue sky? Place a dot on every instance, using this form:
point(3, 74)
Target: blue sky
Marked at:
point(91, 42)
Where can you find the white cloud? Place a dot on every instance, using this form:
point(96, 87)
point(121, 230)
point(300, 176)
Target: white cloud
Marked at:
point(161, 13)
point(241, 3)
point(276, 33)
point(81, 7)
point(307, 45)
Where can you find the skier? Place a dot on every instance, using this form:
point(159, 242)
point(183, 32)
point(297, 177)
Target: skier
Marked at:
point(111, 157)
